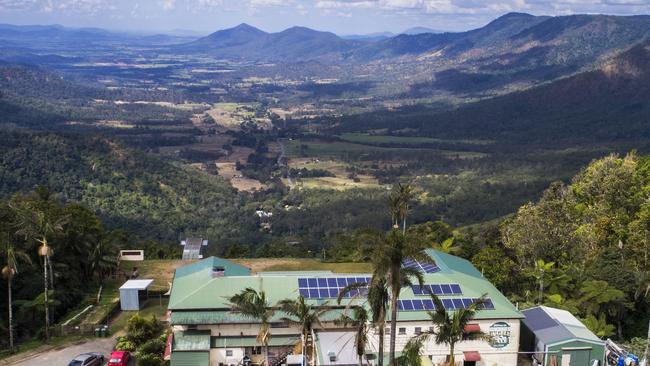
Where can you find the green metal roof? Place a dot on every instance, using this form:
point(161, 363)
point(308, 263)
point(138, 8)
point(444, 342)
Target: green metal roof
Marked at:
point(197, 290)
point(228, 317)
point(274, 340)
point(190, 359)
point(191, 341)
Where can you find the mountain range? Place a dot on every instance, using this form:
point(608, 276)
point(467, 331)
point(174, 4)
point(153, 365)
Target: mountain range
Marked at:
point(512, 38)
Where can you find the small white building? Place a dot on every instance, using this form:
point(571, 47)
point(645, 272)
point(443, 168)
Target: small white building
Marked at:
point(131, 292)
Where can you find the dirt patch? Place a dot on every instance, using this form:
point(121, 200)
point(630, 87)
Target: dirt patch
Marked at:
point(237, 180)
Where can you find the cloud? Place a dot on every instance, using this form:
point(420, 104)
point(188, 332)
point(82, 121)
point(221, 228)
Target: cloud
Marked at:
point(17, 4)
point(168, 4)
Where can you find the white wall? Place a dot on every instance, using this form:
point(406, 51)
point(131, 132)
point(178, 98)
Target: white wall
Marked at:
point(490, 355)
point(218, 355)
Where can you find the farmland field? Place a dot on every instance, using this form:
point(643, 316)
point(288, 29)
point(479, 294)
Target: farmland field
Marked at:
point(364, 138)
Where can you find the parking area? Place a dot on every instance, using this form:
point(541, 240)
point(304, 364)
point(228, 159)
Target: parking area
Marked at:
point(63, 356)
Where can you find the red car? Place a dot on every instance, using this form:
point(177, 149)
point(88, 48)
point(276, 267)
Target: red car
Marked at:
point(119, 358)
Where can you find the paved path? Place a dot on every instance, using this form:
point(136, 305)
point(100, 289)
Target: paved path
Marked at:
point(61, 357)
point(282, 161)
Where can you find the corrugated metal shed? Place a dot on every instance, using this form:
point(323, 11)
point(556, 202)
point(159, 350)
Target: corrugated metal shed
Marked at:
point(130, 293)
point(557, 333)
point(193, 358)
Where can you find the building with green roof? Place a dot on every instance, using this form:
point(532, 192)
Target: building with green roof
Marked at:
point(200, 313)
point(556, 334)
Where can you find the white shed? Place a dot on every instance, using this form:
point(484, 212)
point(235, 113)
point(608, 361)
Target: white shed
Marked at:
point(130, 293)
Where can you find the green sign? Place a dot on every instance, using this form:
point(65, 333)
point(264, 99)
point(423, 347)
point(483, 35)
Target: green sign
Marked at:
point(500, 334)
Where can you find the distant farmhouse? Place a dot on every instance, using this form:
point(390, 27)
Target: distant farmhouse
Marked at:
point(206, 332)
point(193, 248)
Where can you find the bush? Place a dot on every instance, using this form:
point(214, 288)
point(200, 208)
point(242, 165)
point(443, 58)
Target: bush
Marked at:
point(149, 360)
point(140, 330)
point(123, 344)
point(153, 347)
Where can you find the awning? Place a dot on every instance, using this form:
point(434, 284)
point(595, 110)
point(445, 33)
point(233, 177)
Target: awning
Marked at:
point(472, 328)
point(168, 347)
point(274, 341)
point(471, 356)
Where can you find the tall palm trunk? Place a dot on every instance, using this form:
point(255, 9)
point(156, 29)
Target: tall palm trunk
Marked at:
point(393, 325)
point(51, 271)
point(11, 316)
point(47, 303)
point(266, 354)
point(452, 358)
point(380, 361)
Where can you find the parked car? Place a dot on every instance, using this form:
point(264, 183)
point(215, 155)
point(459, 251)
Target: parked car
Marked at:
point(88, 359)
point(119, 358)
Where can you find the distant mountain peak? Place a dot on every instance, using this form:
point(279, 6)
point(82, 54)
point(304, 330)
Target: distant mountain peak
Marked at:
point(245, 26)
point(514, 14)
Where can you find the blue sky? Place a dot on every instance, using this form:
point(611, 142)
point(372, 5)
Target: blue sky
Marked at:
point(339, 16)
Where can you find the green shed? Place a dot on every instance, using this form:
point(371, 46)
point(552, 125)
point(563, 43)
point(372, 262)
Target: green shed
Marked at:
point(554, 333)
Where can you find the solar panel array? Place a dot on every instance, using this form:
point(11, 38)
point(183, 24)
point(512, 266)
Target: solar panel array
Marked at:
point(449, 304)
point(192, 248)
point(422, 267)
point(330, 287)
point(437, 289)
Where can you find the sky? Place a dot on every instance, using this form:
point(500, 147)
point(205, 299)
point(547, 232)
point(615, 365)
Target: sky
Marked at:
point(339, 16)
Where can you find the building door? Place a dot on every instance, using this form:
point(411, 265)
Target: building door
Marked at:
point(576, 357)
point(469, 363)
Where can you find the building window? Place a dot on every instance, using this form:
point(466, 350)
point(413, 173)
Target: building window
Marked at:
point(387, 331)
point(256, 350)
point(279, 325)
point(228, 353)
point(430, 329)
point(418, 330)
point(401, 331)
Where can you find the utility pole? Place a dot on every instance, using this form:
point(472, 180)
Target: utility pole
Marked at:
point(541, 285)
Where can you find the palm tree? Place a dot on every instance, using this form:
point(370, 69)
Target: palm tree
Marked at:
point(303, 315)
point(447, 246)
point(399, 200)
point(35, 223)
point(449, 327)
point(8, 272)
point(359, 320)
point(103, 258)
point(254, 305)
point(378, 298)
point(392, 251)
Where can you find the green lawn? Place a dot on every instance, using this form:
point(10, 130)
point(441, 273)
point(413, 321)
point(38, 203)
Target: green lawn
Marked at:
point(301, 264)
point(153, 306)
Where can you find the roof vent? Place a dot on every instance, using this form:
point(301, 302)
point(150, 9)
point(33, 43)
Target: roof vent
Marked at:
point(218, 271)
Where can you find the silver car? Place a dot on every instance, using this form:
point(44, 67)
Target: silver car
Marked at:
point(88, 359)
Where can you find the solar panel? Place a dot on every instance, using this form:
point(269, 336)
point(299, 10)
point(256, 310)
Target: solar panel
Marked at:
point(422, 267)
point(449, 304)
point(329, 287)
point(437, 289)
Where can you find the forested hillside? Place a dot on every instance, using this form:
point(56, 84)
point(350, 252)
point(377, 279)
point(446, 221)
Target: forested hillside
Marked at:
point(608, 104)
point(144, 195)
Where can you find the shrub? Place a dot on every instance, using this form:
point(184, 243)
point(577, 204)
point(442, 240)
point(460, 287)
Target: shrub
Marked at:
point(149, 360)
point(152, 347)
point(123, 344)
point(140, 330)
